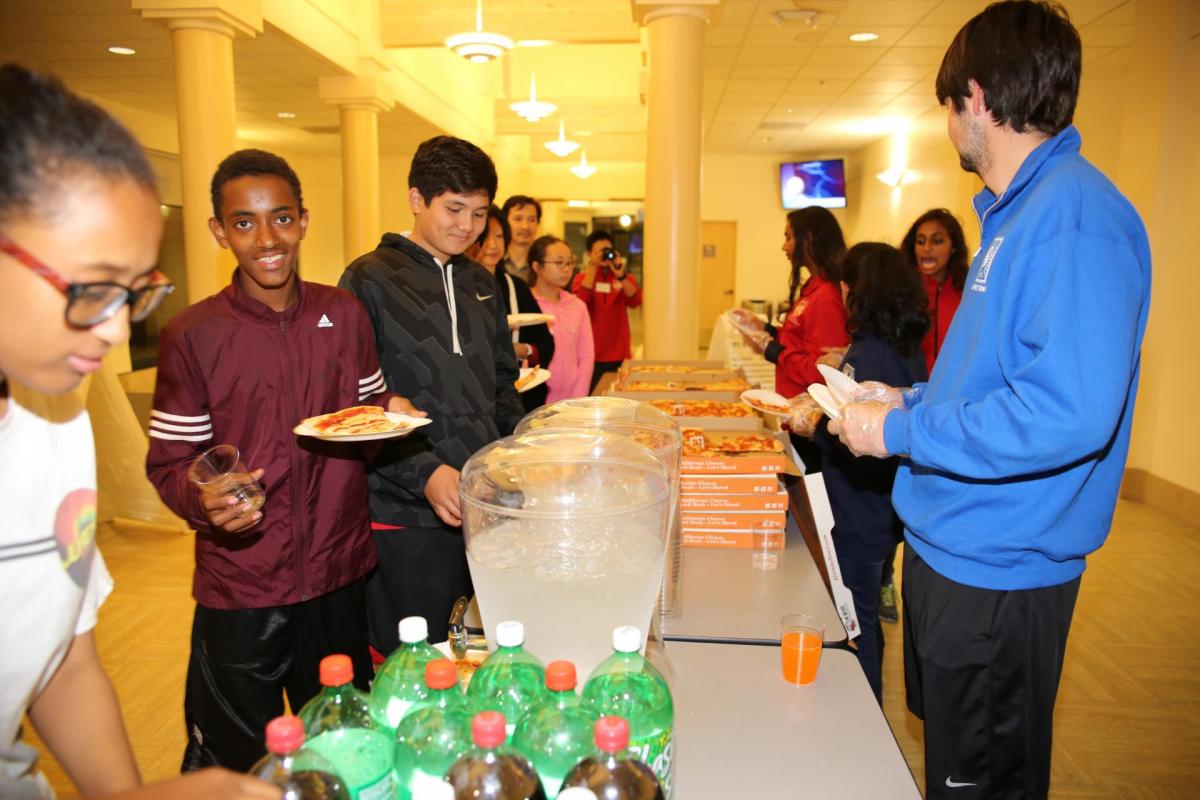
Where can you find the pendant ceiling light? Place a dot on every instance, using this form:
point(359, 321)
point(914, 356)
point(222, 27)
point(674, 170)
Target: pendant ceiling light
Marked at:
point(478, 45)
point(533, 109)
point(562, 146)
point(583, 169)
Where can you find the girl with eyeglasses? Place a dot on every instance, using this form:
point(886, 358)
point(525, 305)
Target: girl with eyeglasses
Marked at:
point(574, 350)
point(79, 235)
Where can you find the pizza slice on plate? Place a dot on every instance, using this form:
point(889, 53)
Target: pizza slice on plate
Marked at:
point(353, 421)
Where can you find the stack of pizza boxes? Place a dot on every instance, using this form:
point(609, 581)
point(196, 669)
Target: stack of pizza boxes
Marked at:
point(724, 494)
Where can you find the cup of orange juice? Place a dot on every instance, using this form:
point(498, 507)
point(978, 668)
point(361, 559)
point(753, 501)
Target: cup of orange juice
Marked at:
point(801, 638)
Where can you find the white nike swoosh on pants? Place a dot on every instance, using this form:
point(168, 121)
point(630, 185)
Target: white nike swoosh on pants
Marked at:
point(955, 785)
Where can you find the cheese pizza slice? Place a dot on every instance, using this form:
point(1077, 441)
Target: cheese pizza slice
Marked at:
point(353, 421)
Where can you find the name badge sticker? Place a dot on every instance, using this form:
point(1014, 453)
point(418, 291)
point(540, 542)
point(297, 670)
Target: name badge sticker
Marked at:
point(603, 288)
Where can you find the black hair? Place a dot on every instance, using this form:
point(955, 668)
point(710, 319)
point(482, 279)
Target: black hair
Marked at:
point(819, 245)
point(886, 297)
point(957, 265)
point(597, 236)
point(1026, 57)
point(494, 213)
point(520, 201)
point(449, 164)
point(244, 163)
point(537, 250)
point(48, 135)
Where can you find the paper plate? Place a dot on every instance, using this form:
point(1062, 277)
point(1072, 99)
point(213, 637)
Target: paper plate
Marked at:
point(410, 424)
point(540, 376)
point(825, 399)
point(760, 399)
point(841, 386)
point(521, 320)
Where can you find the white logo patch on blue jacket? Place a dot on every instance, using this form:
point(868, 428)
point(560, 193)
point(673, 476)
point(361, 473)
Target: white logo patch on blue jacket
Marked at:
point(980, 283)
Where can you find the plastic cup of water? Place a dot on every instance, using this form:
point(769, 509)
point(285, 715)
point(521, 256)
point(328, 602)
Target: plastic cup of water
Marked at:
point(220, 471)
point(765, 543)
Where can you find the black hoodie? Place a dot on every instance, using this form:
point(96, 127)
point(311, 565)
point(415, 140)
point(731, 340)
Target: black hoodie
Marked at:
point(444, 343)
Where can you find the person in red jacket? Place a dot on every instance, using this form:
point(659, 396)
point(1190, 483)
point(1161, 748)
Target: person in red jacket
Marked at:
point(608, 290)
point(279, 588)
point(816, 317)
point(936, 248)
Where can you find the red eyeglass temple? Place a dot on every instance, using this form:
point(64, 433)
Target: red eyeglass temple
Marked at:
point(10, 247)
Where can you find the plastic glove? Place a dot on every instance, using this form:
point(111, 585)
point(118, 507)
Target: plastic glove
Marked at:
point(861, 427)
point(880, 393)
point(745, 321)
point(758, 340)
point(804, 417)
point(833, 356)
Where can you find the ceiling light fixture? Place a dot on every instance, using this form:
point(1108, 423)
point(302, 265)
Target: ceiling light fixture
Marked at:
point(892, 176)
point(562, 146)
point(864, 37)
point(479, 46)
point(121, 51)
point(578, 204)
point(583, 169)
point(533, 109)
point(286, 115)
point(625, 220)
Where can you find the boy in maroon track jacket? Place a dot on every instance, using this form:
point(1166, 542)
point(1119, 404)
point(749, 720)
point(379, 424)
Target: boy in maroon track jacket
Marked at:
point(279, 588)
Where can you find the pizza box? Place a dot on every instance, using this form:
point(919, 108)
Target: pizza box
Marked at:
point(738, 540)
point(692, 417)
point(733, 463)
point(707, 485)
point(731, 520)
point(731, 396)
point(706, 370)
point(733, 502)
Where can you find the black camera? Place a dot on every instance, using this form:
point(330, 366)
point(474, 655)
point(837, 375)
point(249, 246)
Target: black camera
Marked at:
point(609, 254)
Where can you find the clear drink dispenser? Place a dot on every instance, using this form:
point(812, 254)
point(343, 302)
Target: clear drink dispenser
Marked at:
point(649, 426)
point(566, 532)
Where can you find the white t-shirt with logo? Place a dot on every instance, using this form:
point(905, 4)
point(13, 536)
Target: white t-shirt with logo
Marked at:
point(52, 577)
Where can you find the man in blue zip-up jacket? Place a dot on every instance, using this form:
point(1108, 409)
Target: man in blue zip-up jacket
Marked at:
point(1017, 444)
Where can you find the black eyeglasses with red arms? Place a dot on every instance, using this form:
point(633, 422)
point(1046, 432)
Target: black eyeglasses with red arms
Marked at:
point(89, 304)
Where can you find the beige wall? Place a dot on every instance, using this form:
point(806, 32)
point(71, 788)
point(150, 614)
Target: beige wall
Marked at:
point(1159, 169)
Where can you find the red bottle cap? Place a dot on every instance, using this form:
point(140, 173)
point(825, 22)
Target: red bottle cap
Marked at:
point(487, 729)
point(560, 676)
point(284, 735)
point(336, 670)
point(441, 674)
point(612, 734)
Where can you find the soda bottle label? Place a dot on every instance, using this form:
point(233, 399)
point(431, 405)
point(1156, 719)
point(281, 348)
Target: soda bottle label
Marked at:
point(655, 752)
point(384, 789)
point(363, 758)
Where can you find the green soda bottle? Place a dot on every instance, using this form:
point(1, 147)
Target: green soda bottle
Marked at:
point(511, 680)
point(435, 733)
point(338, 726)
point(400, 682)
point(557, 734)
point(627, 685)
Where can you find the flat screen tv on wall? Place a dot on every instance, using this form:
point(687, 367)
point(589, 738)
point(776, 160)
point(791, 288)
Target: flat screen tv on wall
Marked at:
point(813, 183)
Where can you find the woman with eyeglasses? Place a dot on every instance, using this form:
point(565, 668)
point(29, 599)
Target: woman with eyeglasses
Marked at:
point(532, 344)
point(79, 235)
point(571, 368)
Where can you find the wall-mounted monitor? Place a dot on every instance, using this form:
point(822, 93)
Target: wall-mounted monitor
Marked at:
point(813, 183)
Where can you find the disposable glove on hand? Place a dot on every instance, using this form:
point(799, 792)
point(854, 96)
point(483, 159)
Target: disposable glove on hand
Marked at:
point(745, 321)
point(880, 392)
point(804, 417)
point(758, 341)
point(861, 427)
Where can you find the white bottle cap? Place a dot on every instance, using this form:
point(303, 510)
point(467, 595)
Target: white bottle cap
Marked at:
point(413, 629)
point(627, 639)
point(510, 634)
point(577, 793)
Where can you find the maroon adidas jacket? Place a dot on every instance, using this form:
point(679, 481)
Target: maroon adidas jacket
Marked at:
point(232, 371)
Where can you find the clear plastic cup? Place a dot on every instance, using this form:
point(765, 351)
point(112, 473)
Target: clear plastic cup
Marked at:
point(219, 471)
point(801, 639)
point(765, 542)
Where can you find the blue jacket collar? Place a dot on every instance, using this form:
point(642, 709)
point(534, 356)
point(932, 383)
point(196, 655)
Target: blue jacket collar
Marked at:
point(1065, 142)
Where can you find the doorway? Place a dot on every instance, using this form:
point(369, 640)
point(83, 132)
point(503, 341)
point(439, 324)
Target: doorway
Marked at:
point(718, 268)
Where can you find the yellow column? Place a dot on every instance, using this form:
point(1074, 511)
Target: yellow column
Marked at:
point(675, 44)
point(359, 99)
point(202, 41)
